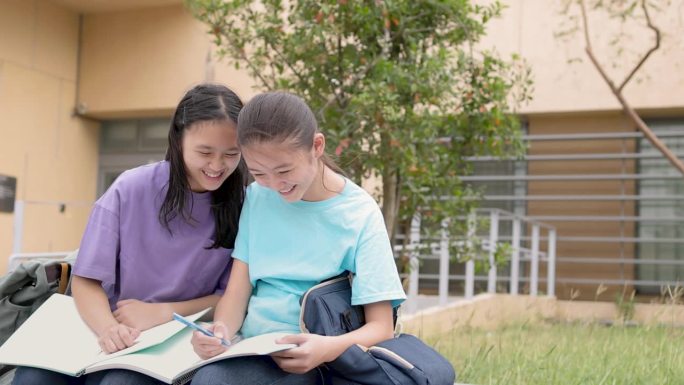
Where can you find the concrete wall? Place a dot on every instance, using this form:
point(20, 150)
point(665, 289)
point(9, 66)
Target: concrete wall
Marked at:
point(490, 311)
point(140, 62)
point(566, 81)
point(52, 153)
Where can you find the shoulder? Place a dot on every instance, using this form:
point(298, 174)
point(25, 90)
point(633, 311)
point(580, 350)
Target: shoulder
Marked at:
point(145, 174)
point(252, 188)
point(258, 192)
point(256, 198)
point(360, 207)
point(136, 184)
point(143, 177)
point(355, 194)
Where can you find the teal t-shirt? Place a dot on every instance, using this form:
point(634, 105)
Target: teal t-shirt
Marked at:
point(291, 247)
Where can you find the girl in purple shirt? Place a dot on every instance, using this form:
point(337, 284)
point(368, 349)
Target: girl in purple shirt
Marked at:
point(159, 240)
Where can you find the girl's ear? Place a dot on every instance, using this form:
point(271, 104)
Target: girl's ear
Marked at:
point(318, 145)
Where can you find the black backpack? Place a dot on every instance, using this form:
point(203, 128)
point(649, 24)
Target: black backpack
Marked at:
point(402, 360)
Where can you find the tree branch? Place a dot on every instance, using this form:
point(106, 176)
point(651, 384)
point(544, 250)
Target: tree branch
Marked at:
point(655, 141)
point(340, 71)
point(287, 62)
point(650, 51)
point(240, 53)
point(353, 80)
point(590, 51)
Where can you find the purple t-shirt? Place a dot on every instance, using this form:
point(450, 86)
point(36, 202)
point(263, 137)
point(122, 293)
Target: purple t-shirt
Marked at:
point(126, 247)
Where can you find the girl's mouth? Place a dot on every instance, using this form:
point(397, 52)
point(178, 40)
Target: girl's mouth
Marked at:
point(212, 175)
point(287, 190)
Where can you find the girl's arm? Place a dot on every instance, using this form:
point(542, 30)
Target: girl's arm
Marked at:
point(229, 315)
point(118, 330)
point(314, 350)
point(93, 306)
point(143, 315)
point(379, 327)
point(232, 307)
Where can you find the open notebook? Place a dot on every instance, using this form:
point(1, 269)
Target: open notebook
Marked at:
point(56, 338)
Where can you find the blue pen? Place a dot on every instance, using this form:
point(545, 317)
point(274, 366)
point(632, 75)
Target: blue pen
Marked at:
point(200, 329)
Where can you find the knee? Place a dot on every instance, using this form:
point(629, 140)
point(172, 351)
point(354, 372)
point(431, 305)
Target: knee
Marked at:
point(125, 377)
point(238, 371)
point(207, 375)
point(35, 376)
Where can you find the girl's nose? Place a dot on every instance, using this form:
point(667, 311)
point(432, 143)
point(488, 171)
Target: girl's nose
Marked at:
point(275, 183)
point(217, 163)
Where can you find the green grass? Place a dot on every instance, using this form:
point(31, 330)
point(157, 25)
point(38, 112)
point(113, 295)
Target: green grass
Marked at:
point(546, 354)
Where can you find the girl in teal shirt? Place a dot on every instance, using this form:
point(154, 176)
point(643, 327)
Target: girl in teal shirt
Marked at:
point(302, 222)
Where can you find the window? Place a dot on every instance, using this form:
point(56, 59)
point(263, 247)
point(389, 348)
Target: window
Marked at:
point(502, 193)
point(134, 136)
point(663, 225)
point(126, 144)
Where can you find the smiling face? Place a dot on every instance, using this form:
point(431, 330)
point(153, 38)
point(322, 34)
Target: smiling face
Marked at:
point(210, 154)
point(289, 170)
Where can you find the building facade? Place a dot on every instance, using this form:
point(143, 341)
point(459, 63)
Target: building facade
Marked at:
point(86, 89)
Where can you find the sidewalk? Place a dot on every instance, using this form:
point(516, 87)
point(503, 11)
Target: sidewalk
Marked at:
point(422, 302)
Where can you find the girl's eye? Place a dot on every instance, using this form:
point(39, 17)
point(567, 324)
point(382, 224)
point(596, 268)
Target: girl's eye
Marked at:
point(204, 153)
point(284, 172)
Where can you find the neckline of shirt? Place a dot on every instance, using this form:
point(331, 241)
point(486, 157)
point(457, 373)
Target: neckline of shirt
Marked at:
point(310, 205)
point(326, 202)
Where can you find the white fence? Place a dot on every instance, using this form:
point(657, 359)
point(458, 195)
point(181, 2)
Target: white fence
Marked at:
point(530, 256)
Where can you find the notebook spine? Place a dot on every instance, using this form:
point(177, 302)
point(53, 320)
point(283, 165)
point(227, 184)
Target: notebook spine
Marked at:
point(184, 378)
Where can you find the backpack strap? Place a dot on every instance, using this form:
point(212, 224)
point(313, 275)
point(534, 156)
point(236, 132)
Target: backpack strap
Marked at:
point(65, 272)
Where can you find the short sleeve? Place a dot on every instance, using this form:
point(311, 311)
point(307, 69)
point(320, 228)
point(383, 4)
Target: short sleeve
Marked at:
point(375, 277)
point(99, 249)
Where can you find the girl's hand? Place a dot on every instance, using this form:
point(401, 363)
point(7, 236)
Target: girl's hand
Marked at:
point(141, 315)
point(312, 351)
point(117, 337)
point(207, 347)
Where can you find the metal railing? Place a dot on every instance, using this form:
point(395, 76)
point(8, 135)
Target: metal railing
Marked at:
point(627, 170)
point(439, 249)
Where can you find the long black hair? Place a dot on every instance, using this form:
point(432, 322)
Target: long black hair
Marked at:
point(205, 102)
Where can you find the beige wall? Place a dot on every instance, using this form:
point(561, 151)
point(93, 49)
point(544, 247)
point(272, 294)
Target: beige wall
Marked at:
point(140, 62)
point(562, 83)
point(52, 154)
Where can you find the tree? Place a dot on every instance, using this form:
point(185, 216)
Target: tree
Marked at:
point(626, 10)
point(399, 87)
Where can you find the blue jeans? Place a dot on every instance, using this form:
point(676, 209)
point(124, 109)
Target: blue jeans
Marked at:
point(35, 376)
point(251, 370)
